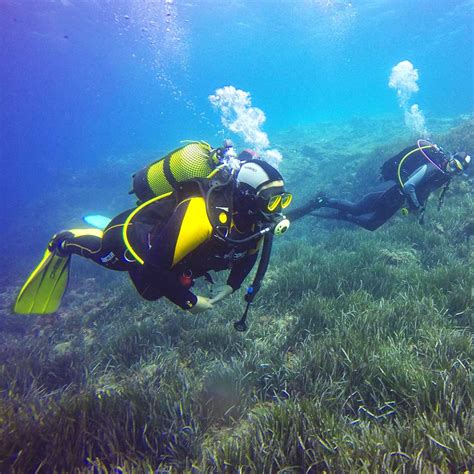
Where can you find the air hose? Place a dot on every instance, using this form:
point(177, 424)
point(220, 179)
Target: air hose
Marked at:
point(253, 289)
point(275, 228)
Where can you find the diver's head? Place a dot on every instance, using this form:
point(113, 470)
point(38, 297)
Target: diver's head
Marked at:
point(261, 191)
point(458, 162)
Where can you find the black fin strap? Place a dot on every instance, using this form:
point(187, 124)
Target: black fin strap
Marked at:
point(214, 185)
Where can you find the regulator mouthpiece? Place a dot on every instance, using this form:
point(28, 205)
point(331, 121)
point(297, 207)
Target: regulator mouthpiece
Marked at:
point(281, 227)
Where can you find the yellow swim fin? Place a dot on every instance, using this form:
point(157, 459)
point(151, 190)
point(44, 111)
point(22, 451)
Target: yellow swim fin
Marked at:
point(44, 289)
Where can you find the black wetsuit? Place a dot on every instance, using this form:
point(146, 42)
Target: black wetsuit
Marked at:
point(379, 205)
point(374, 209)
point(172, 241)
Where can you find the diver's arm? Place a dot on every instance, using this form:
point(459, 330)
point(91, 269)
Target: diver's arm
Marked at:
point(419, 177)
point(187, 229)
point(315, 203)
point(167, 282)
point(410, 185)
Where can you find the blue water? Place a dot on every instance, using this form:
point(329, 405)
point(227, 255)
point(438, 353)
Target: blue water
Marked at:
point(82, 81)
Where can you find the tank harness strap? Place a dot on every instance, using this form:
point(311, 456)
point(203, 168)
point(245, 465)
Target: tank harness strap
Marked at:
point(219, 206)
point(128, 222)
point(168, 174)
point(205, 187)
point(420, 148)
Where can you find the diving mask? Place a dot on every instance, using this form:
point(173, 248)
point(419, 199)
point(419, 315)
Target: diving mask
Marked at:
point(269, 202)
point(271, 205)
point(283, 200)
point(454, 166)
point(458, 162)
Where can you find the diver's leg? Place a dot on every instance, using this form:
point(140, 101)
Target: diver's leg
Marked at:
point(375, 219)
point(144, 284)
point(90, 244)
point(341, 205)
point(45, 287)
point(384, 207)
point(83, 242)
point(385, 194)
point(366, 221)
point(106, 248)
point(369, 222)
point(366, 205)
point(43, 290)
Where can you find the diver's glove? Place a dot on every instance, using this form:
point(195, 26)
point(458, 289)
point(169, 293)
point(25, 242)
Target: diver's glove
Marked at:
point(202, 304)
point(405, 211)
point(224, 293)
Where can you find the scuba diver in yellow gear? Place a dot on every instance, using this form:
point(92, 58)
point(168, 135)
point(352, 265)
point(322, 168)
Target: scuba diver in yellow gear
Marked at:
point(208, 223)
point(409, 178)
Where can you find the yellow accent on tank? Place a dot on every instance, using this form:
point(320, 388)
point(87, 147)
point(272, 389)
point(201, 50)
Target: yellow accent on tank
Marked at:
point(190, 161)
point(157, 180)
point(195, 228)
point(222, 217)
point(128, 221)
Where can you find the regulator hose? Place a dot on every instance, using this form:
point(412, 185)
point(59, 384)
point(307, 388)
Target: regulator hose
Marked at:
point(253, 289)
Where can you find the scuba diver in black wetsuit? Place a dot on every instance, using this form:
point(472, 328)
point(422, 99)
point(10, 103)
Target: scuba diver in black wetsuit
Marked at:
point(409, 177)
point(213, 223)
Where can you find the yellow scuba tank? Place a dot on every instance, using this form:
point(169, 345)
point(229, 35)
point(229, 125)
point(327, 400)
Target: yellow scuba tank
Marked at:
point(193, 160)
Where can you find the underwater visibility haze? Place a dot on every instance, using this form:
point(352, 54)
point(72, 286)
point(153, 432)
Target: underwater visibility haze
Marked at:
point(358, 352)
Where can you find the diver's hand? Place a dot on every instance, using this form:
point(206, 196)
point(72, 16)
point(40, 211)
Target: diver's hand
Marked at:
point(224, 293)
point(202, 304)
point(413, 207)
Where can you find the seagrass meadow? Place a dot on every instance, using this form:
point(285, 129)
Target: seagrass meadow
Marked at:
point(358, 356)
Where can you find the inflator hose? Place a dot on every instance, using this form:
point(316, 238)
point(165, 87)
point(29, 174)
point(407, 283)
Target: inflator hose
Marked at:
point(257, 282)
